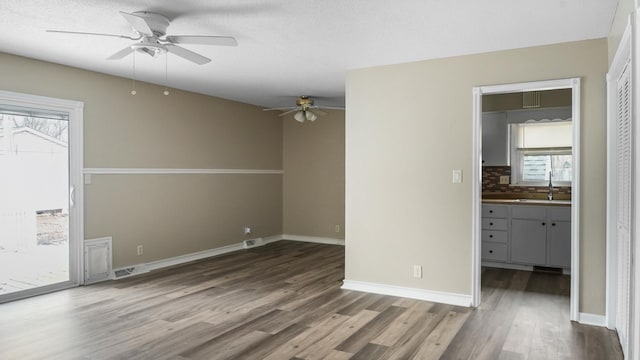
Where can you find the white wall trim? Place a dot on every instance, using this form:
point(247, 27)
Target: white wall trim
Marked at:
point(412, 293)
point(181, 259)
point(476, 194)
point(162, 171)
point(271, 239)
point(574, 305)
point(313, 239)
point(177, 260)
point(592, 319)
point(574, 84)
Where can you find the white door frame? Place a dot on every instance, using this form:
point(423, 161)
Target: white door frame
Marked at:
point(75, 110)
point(476, 191)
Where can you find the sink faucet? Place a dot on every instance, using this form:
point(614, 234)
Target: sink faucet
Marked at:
point(550, 195)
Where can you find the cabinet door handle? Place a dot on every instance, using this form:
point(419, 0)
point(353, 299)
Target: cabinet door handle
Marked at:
point(491, 236)
point(553, 224)
point(543, 224)
point(490, 224)
point(490, 251)
point(490, 211)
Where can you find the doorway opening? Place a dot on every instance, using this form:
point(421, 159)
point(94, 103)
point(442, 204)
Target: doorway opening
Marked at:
point(533, 179)
point(40, 207)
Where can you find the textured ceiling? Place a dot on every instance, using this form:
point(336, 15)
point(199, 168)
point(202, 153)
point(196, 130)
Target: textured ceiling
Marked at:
point(294, 47)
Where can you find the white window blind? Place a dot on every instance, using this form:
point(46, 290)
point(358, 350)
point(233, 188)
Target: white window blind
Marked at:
point(557, 134)
point(539, 149)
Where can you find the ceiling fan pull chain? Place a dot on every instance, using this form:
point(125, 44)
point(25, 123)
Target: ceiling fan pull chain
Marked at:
point(133, 78)
point(166, 67)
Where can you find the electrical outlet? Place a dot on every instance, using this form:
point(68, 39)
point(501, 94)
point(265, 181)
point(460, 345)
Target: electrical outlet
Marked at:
point(140, 250)
point(337, 228)
point(417, 271)
point(456, 176)
point(504, 179)
point(247, 230)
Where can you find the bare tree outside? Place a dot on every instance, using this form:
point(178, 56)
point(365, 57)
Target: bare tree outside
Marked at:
point(55, 128)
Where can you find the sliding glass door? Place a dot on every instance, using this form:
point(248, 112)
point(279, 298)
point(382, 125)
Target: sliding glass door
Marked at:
point(38, 250)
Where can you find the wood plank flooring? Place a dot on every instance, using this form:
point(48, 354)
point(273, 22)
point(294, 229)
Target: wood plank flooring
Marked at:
point(283, 301)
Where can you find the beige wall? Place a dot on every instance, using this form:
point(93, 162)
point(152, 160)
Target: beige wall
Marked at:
point(313, 182)
point(625, 7)
point(409, 125)
point(170, 215)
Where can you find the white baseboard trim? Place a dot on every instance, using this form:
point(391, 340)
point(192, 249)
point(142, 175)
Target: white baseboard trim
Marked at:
point(313, 239)
point(154, 265)
point(271, 239)
point(171, 171)
point(592, 319)
point(177, 260)
point(412, 293)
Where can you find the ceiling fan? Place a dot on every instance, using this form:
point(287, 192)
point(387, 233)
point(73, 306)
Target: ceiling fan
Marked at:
point(152, 39)
point(304, 105)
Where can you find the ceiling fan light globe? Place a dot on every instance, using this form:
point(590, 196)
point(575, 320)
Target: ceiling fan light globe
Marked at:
point(310, 115)
point(299, 116)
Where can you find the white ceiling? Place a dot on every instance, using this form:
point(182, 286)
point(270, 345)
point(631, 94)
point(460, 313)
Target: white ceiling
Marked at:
point(289, 48)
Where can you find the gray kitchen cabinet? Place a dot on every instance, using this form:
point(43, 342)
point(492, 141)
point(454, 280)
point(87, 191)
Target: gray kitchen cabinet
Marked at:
point(532, 235)
point(559, 238)
point(528, 241)
point(494, 139)
point(529, 234)
point(495, 235)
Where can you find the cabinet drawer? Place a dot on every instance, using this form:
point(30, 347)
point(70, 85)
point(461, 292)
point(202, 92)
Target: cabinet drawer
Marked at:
point(494, 224)
point(494, 252)
point(494, 211)
point(528, 212)
point(560, 213)
point(497, 236)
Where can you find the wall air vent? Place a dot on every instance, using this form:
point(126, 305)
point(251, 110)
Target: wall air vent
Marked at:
point(247, 244)
point(531, 99)
point(129, 271)
point(124, 272)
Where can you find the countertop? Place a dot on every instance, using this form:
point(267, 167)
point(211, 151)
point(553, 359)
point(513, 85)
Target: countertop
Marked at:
point(527, 202)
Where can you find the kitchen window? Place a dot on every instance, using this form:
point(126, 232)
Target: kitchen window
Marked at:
point(539, 149)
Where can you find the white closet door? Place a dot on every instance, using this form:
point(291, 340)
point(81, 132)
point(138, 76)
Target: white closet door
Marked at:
point(623, 210)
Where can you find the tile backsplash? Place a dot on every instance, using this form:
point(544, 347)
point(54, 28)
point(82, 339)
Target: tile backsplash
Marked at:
point(491, 184)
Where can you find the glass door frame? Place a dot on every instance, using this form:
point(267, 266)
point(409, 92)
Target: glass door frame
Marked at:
point(75, 110)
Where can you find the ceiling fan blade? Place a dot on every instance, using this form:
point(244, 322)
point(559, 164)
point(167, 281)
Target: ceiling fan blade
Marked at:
point(289, 112)
point(187, 54)
point(120, 54)
point(90, 33)
point(280, 109)
point(330, 107)
point(317, 111)
point(138, 23)
point(203, 40)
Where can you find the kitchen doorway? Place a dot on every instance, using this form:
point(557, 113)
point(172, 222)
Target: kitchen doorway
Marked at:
point(40, 203)
point(567, 221)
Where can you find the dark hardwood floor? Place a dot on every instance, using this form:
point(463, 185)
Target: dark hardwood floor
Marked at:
point(283, 301)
